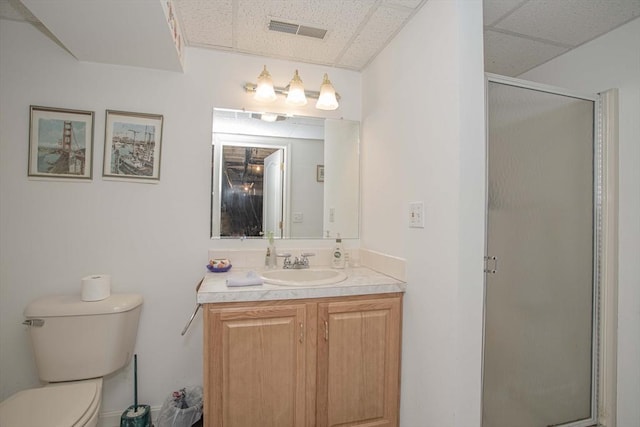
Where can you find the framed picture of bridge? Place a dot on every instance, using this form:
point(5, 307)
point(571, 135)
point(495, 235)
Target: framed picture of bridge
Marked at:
point(132, 145)
point(60, 143)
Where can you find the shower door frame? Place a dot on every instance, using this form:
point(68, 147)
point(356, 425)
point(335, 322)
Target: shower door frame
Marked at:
point(604, 307)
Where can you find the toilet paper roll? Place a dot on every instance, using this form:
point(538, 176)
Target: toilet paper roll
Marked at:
point(95, 287)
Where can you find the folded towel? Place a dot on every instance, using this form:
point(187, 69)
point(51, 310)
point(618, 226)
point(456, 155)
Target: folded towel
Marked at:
point(251, 279)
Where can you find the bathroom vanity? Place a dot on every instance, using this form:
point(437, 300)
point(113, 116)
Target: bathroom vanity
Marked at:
point(302, 356)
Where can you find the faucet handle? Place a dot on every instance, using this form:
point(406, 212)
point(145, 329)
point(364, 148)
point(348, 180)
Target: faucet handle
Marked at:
point(304, 259)
point(287, 260)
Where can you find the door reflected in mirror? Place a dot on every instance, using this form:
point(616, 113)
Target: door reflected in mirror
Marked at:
point(252, 177)
point(265, 176)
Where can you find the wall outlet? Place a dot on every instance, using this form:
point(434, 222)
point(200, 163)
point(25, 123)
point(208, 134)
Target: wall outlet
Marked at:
point(416, 215)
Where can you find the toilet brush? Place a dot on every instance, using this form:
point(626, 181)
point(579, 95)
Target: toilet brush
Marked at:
point(136, 415)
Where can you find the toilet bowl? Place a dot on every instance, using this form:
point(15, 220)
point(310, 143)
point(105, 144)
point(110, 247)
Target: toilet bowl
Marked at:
point(69, 404)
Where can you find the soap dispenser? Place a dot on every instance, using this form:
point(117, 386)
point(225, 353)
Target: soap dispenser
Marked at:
point(338, 260)
point(267, 258)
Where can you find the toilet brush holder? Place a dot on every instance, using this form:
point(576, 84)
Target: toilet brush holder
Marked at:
point(136, 416)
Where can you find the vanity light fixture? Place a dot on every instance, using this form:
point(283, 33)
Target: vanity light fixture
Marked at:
point(296, 95)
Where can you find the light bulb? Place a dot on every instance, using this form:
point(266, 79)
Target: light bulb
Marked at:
point(327, 99)
point(264, 88)
point(296, 95)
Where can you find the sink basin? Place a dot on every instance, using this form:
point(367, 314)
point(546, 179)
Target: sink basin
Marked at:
point(303, 277)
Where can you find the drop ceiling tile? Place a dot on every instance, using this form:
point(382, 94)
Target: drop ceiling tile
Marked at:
point(341, 20)
point(495, 9)
point(572, 22)
point(511, 56)
point(206, 23)
point(381, 27)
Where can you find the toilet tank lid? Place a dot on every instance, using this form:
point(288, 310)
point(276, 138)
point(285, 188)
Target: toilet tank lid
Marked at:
point(72, 305)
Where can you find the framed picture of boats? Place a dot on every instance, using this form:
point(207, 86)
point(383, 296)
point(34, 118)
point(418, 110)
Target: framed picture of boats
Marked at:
point(60, 143)
point(132, 146)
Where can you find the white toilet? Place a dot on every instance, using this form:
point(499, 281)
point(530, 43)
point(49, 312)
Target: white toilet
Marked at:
point(75, 344)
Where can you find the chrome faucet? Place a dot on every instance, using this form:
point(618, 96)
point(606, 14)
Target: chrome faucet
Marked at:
point(298, 262)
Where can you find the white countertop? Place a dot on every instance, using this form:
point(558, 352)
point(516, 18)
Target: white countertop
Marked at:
point(359, 281)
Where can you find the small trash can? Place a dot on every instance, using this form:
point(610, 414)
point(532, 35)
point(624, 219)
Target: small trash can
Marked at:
point(182, 408)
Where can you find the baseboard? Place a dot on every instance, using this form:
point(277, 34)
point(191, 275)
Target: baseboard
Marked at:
point(112, 418)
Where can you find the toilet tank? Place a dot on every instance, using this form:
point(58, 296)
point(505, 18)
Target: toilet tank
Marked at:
point(74, 339)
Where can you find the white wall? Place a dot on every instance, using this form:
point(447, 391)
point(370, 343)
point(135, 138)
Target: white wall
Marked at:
point(613, 61)
point(423, 140)
point(152, 238)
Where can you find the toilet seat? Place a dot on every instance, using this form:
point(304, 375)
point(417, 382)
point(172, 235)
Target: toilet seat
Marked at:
point(70, 404)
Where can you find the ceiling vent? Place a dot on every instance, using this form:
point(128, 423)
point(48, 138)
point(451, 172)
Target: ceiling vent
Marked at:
point(299, 30)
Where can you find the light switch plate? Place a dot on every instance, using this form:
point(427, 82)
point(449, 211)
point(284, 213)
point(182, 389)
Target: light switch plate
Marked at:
point(416, 214)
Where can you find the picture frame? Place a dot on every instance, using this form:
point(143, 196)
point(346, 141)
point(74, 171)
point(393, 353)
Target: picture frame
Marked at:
point(60, 143)
point(320, 173)
point(132, 146)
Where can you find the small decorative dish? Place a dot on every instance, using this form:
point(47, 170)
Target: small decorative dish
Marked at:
point(218, 270)
point(219, 265)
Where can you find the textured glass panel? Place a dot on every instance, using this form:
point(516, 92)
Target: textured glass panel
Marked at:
point(538, 325)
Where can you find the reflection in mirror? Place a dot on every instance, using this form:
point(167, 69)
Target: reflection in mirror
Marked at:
point(249, 174)
point(297, 177)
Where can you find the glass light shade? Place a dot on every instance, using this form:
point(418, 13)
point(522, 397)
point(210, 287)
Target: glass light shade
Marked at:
point(327, 99)
point(268, 117)
point(296, 95)
point(264, 88)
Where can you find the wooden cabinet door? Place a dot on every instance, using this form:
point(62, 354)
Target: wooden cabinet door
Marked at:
point(358, 363)
point(255, 366)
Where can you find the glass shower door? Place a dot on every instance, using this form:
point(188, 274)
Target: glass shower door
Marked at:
point(539, 308)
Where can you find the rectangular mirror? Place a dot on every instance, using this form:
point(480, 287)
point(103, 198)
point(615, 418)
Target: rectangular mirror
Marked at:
point(298, 177)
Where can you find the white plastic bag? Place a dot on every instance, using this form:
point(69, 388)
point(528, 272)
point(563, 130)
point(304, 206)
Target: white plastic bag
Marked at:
point(182, 408)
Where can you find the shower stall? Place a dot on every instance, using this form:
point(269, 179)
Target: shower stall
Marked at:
point(540, 361)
